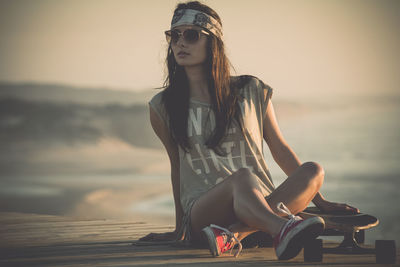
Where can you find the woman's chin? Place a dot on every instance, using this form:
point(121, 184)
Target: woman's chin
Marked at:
point(188, 64)
point(183, 63)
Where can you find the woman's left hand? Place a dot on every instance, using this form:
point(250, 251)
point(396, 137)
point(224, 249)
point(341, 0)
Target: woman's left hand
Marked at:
point(162, 237)
point(333, 207)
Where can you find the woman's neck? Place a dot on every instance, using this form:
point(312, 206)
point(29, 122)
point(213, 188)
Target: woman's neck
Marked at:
point(197, 83)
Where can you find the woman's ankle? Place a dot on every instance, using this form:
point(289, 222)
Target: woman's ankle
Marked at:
point(241, 231)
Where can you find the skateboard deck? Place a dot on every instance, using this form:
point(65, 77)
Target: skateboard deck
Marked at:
point(342, 222)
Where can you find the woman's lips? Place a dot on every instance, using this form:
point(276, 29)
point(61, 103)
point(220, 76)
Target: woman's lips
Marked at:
point(183, 54)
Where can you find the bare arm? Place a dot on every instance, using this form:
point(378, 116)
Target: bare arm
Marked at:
point(282, 153)
point(163, 133)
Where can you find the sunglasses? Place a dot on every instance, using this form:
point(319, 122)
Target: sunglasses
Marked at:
point(190, 36)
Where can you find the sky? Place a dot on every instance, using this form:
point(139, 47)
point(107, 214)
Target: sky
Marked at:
point(312, 48)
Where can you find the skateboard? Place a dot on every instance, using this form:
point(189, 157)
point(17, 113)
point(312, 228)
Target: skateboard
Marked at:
point(352, 227)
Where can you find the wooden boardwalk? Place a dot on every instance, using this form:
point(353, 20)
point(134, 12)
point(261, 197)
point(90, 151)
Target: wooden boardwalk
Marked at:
point(43, 240)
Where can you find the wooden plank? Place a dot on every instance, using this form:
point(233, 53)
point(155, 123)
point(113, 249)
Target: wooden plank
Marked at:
point(41, 240)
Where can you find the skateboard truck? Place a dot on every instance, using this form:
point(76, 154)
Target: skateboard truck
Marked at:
point(349, 245)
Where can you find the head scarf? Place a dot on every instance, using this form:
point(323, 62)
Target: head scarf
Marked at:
point(198, 18)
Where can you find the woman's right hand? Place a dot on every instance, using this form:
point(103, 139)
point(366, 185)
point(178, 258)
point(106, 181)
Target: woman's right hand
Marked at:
point(168, 236)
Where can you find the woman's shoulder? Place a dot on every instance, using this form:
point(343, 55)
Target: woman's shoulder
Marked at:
point(156, 100)
point(242, 80)
point(157, 105)
point(245, 83)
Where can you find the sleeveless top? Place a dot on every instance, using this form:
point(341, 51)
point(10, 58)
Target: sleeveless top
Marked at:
point(201, 168)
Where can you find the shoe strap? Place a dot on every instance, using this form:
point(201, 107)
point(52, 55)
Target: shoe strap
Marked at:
point(282, 208)
point(292, 219)
point(230, 236)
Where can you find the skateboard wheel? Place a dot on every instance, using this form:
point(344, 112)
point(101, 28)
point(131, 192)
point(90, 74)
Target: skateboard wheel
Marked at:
point(313, 251)
point(360, 236)
point(385, 251)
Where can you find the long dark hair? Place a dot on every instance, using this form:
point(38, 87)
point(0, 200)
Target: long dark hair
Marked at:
point(176, 93)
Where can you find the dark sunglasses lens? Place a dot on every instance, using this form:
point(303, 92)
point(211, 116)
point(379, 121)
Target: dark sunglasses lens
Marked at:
point(191, 36)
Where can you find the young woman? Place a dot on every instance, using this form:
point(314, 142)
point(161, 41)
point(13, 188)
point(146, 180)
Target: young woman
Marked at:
point(212, 126)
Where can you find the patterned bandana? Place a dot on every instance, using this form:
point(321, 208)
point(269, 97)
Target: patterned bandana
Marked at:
point(198, 18)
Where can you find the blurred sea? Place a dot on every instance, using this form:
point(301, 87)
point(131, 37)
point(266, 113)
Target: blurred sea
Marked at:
point(112, 165)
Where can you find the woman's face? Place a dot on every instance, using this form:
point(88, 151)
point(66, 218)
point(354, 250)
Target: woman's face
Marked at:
point(190, 54)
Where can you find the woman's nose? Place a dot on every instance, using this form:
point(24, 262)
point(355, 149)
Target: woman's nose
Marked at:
point(181, 41)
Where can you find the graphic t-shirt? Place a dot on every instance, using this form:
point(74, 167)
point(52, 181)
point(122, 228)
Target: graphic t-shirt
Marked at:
point(201, 168)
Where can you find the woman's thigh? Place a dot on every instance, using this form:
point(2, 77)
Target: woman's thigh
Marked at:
point(217, 205)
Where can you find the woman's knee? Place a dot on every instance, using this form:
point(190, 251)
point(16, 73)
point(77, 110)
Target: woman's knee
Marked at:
point(315, 173)
point(243, 177)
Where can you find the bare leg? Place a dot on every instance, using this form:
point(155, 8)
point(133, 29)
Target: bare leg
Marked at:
point(237, 198)
point(296, 192)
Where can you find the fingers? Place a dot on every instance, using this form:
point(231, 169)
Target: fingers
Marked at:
point(353, 209)
point(148, 237)
point(350, 208)
point(341, 208)
point(158, 237)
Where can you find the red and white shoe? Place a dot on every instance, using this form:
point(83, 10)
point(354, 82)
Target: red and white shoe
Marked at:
point(220, 240)
point(295, 233)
